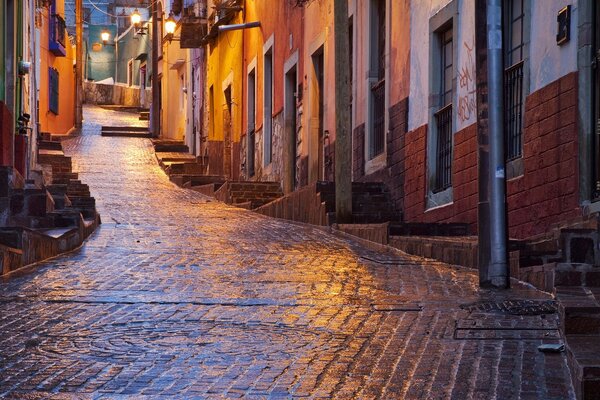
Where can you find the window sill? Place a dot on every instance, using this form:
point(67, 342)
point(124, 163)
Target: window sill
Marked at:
point(439, 199)
point(376, 163)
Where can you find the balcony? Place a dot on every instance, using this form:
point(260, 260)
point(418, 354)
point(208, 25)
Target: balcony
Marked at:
point(58, 36)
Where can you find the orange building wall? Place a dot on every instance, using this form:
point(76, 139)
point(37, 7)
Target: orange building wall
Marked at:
point(65, 120)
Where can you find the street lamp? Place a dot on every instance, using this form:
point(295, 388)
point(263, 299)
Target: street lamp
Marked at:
point(170, 25)
point(136, 20)
point(105, 35)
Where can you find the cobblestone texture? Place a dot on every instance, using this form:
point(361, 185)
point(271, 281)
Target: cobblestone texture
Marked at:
point(179, 296)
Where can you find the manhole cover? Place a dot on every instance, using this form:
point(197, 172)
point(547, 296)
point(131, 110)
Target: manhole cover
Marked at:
point(514, 307)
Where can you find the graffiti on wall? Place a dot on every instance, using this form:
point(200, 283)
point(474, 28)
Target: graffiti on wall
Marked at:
point(467, 103)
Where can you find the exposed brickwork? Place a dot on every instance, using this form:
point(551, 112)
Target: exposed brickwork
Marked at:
point(358, 152)
point(393, 174)
point(5, 134)
point(464, 179)
point(547, 193)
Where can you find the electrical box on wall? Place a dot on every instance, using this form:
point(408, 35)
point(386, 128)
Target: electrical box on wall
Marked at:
point(563, 19)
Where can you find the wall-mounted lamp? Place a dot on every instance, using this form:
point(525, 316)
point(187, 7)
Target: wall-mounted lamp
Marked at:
point(136, 20)
point(170, 26)
point(105, 36)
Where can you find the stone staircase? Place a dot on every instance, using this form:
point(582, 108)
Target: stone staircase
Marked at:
point(315, 204)
point(38, 220)
point(566, 262)
point(371, 203)
point(126, 131)
point(248, 195)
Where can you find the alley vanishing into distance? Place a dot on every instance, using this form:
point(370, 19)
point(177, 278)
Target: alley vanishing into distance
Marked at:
point(180, 296)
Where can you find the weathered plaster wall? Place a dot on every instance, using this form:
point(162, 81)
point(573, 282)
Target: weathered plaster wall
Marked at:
point(174, 90)
point(464, 98)
point(101, 58)
point(64, 121)
point(548, 60)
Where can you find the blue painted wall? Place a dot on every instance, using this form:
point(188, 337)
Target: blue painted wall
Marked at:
point(100, 58)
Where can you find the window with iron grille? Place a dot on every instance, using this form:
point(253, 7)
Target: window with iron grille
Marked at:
point(514, 46)
point(443, 117)
point(53, 90)
point(59, 29)
point(377, 137)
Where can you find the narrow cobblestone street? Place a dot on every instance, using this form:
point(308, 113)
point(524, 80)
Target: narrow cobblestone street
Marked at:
point(179, 296)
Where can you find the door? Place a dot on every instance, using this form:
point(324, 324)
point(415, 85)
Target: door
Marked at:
point(251, 123)
point(290, 128)
point(227, 134)
point(143, 85)
point(317, 111)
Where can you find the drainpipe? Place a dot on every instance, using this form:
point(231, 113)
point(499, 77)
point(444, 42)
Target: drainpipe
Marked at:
point(498, 276)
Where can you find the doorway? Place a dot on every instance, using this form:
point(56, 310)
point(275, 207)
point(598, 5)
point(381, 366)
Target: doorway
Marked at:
point(291, 80)
point(227, 134)
point(251, 123)
point(317, 111)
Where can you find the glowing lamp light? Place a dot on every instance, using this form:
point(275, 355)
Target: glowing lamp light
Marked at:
point(170, 25)
point(105, 35)
point(136, 18)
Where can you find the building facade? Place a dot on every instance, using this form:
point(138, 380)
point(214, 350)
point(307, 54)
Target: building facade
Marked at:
point(418, 117)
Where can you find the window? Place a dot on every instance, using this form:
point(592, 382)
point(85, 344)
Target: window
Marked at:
point(53, 90)
point(443, 117)
point(268, 107)
point(378, 28)
point(514, 52)
point(442, 92)
point(251, 121)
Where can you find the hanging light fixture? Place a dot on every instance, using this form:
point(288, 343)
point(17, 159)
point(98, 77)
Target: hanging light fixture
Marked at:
point(136, 18)
point(105, 35)
point(170, 24)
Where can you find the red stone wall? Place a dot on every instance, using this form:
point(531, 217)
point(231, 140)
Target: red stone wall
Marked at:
point(548, 191)
point(393, 174)
point(464, 179)
point(6, 135)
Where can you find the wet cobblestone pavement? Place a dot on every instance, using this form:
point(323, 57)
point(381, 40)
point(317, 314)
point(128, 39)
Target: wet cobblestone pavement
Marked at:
point(179, 296)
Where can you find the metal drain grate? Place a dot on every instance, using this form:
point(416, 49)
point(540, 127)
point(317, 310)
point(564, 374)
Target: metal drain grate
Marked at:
point(514, 307)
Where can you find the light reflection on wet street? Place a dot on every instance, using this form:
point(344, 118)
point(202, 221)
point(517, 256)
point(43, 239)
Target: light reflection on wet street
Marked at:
point(179, 296)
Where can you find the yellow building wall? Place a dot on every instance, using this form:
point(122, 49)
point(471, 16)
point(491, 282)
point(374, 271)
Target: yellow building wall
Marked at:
point(224, 67)
point(174, 99)
point(64, 121)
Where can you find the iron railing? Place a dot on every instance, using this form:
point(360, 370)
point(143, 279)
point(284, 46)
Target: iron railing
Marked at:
point(378, 135)
point(513, 110)
point(443, 176)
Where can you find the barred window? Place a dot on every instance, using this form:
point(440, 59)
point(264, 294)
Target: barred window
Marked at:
point(443, 117)
point(514, 45)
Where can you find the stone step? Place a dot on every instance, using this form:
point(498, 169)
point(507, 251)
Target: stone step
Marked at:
point(49, 145)
point(583, 357)
point(124, 129)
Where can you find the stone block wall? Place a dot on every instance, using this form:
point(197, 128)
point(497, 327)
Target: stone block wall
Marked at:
point(544, 195)
point(103, 94)
point(548, 191)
